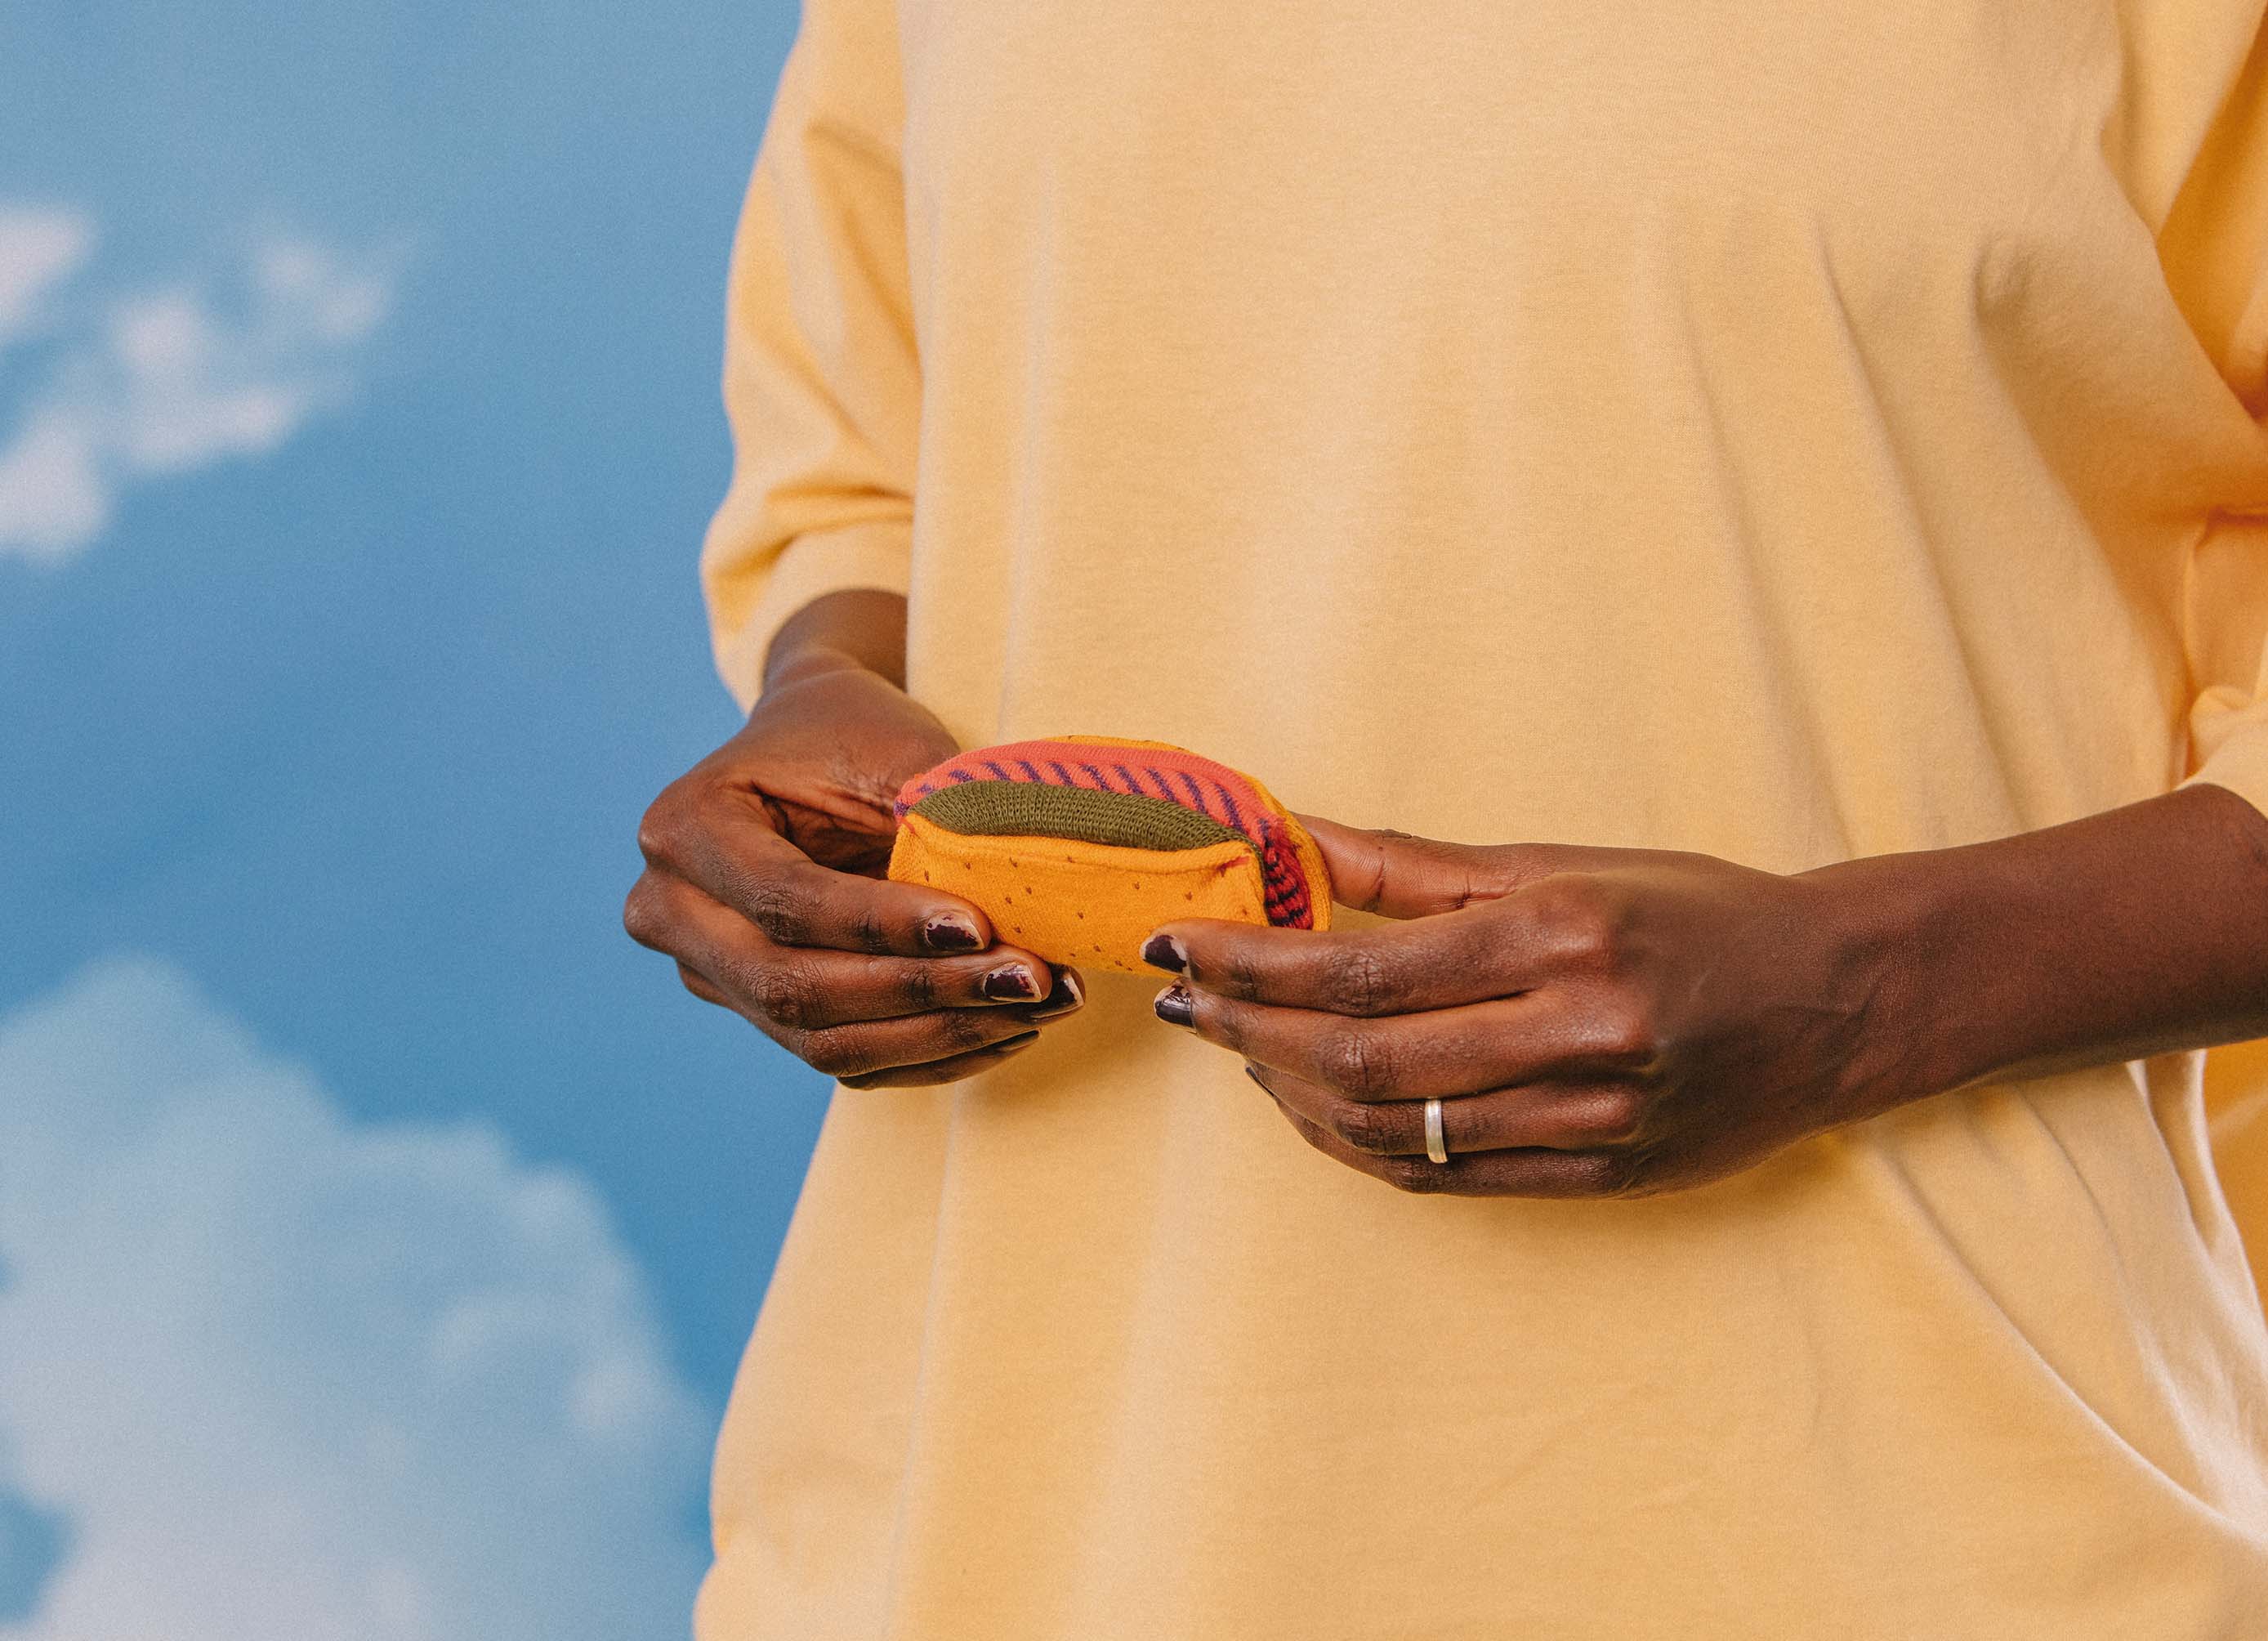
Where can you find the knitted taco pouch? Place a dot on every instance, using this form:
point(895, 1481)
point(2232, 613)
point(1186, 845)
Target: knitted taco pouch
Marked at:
point(1077, 847)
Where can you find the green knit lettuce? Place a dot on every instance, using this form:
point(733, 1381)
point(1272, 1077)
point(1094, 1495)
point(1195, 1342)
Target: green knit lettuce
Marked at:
point(1028, 809)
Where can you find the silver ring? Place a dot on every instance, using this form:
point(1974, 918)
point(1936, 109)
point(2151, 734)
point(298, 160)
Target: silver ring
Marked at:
point(1437, 1143)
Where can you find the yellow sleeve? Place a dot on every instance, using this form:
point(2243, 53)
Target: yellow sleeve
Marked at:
point(2214, 247)
point(821, 383)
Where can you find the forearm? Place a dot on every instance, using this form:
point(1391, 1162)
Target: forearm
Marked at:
point(860, 626)
point(2138, 931)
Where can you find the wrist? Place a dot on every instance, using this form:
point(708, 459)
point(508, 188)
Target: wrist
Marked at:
point(861, 627)
point(2132, 932)
point(1908, 928)
point(809, 661)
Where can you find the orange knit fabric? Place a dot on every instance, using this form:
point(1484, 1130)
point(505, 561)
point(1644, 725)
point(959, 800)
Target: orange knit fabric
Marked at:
point(1076, 901)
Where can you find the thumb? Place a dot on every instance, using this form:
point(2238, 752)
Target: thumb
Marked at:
point(1397, 875)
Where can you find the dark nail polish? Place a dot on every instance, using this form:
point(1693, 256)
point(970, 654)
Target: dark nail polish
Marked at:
point(949, 931)
point(1010, 1045)
point(1254, 1075)
point(1067, 995)
point(1163, 951)
point(1011, 982)
point(1176, 1006)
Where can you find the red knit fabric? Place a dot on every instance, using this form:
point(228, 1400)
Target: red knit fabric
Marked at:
point(1213, 790)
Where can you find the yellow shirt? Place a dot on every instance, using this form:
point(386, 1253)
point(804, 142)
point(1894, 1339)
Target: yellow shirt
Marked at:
point(1786, 430)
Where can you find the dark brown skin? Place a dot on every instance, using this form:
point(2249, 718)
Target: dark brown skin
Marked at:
point(1604, 1022)
point(1598, 1022)
point(765, 880)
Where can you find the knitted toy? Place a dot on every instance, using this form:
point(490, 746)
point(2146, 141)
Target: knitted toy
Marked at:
point(1077, 847)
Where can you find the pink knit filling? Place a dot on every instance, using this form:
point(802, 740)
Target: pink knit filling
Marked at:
point(1212, 790)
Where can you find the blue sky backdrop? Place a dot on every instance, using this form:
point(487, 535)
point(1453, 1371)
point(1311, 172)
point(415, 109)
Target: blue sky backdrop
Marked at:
point(358, 422)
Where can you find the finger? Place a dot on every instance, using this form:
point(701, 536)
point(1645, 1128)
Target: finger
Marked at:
point(1538, 1173)
point(1540, 1036)
point(866, 1046)
point(702, 986)
point(806, 988)
point(937, 1071)
point(1554, 1116)
point(1397, 875)
point(724, 846)
point(1493, 949)
point(1068, 993)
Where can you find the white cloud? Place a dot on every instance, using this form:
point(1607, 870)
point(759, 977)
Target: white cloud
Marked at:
point(288, 1377)
point(53, 489)
point(166, 381)
point(40, 247)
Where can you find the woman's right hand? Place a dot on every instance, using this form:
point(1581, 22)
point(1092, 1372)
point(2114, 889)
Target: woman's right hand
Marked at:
point(763, 880)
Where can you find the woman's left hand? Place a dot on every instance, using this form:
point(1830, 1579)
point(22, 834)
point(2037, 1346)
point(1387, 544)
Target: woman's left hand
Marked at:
point(1598, 1022)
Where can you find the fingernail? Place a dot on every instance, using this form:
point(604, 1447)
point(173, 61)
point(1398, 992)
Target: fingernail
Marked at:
point(1010, 1045)
point(1068, 995)
point(1011, 981)
point(1254, 1075)
point(950, 931)
point(1163, 951)
point(1176, 1006)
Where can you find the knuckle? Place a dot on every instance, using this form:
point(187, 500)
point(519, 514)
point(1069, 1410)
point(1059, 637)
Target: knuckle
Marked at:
point(1360, 983)
point(643, 918)
point(1519, 863)
point(917, 988)
point(1366, 1127)
point(1235, 975)
point(667, 825)
point(784, 994)
point(1618, 1174)
point(1466, 873)
point(1613, 1117)
point(1415, 1174)
point(775, 908)
point(834, 1052)
point(1357, 1061)
point(1630, 1037)
point(870, 932)
point(1224, 1023)
point(1584, 914)
point(961, 1030)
